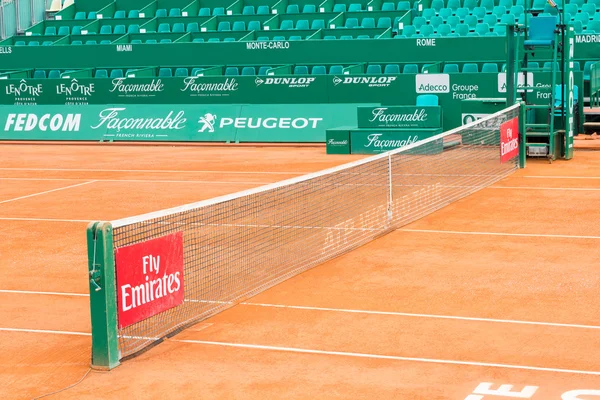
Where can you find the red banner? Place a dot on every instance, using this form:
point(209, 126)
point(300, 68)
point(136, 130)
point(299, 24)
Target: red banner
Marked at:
point(509, 140)
point(149, 278)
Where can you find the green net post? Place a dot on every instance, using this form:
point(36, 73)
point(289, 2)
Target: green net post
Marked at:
point(522, 134)
point(511, 65)
point(103, 295)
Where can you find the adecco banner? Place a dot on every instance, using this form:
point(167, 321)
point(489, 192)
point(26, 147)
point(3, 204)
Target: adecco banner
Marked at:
point(246, 123)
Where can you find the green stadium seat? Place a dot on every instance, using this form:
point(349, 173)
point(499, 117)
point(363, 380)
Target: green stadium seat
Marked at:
point(106, 30)
point(229, 39)
point(354, 7)
point(488, 5)
point(533, 65)
point(287, 24)
point(427, 30)
point(490, 67)
point(120, 14)
point(239, 26)
point(538, 5)
point(178, 27)
point(578, 26)
point(500, 29)
point(175, 12)
point(445, 13)
point(63, 30)
point(248, 10)
point(351, 23)
point(248, 71)
point(437, 4)
point(292, 9)
point(302, 24)
point(339, 8)
point(470, 68)
point(444, 30)
point(410, 69)
point(33, 43)
point(136, 41)
point(452, 21)
point(197, 71)
point(589, 8)
point(368, 22)
point(490, 19)
point(232, 71)
point(76, 30)
point(404, 6)
point(391, 69)
point(507, 19)
point(336, 70)
point(192, 27)
point(309, 9)
point(263, 70)
point(54, 74)
point(165, 73)
point(151, 41)
point(262, 39)
point(506, 3)
point(263, 10)
point(346, 37)
point(384, 22)
point(39, 74)
point(436, 21)
point(587, 70)
point(470, 4)
point(75, 42)
point(594, 26)
point(120, 29)
point(198, 40)
point(363, 37)
point(317, 24)
point(47, 43)
point(499, 11)
point(218, 11)
point(80, 15)
point(479, 12)
point(116, 73)
point(133, 14)
point(579, 3)
point(214, 40)
point(482, 28)
point(204, 12)
point(462, 13)
point(166, 41)
point(279, 38)
point(583, 17)
point(50, 31)
point(329, 37)
point(92, 15)
point(224, 26)
point(473, 34)
point(453, 4)
point(450, 69)
point(548, 66)
point(91, 42)
point(295, 38)
point(418, 22)
point(516, 11)
point(318, 70)
point(374, 69)
point(300, 70)
point(160, 13)
point(429, 13)
point(181, 72)
point(105, 41)
point(388, 7)
point(254, 26)
point(409, 30)
point(424, 100)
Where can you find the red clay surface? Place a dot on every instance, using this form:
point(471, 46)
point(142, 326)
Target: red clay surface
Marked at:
point(500, 287)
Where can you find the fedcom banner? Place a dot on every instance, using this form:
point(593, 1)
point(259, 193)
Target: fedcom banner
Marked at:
point(231, 123)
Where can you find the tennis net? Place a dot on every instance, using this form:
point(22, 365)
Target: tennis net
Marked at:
point(236, 246)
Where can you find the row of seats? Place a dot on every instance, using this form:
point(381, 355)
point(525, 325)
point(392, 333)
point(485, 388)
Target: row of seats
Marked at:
point(463, 12)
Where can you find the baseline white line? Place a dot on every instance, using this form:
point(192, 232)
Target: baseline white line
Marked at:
point(47, 191)
point(541, 188)
point(137, 181)
point(347, 310)
point(385, 357)
point(45, 219)
point(45, 331)
point(157, 171)
point(560, 177)
point(500, 234)
point(432, 316)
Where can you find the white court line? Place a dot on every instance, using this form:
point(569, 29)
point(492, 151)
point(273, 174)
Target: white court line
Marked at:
point(385, 357)
point(45, 219)
point(47, 191)
point(45, 331)
point(560, 177)
point(137, 181)
point(158, 171)
point(346, 310)
point(500, 234)
point(542, 188)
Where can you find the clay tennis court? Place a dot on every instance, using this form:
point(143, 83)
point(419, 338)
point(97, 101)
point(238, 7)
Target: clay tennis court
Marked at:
point(500, 288)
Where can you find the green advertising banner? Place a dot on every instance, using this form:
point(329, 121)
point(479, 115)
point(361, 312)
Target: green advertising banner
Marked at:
point(230, 123)
point(379, 141)
point(399, 117)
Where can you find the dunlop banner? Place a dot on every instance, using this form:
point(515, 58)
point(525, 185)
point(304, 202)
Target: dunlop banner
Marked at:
point(231, 123)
